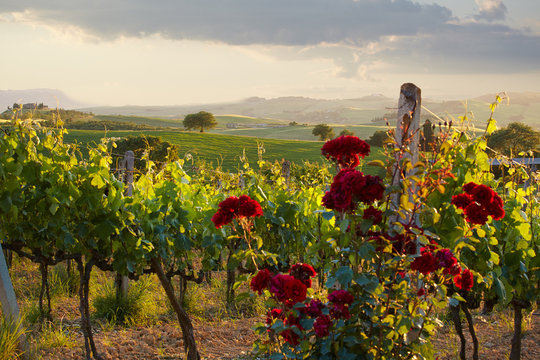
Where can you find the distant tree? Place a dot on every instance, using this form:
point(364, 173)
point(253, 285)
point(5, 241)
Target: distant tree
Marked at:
point(200, 120)
point(293, 123)
point(428, 136)
point(323, 131)
point(515, 138)
point(346, 132)
point(378, 138)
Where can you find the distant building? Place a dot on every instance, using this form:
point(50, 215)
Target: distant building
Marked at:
point(34, 106)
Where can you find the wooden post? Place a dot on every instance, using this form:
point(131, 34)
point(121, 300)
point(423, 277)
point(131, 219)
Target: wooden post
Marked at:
point(286, 171)
point(407, 138)
point(10, 308)
point(127, 165)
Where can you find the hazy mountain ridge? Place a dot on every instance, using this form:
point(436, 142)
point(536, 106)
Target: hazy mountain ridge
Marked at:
point(516, 106)
point(51, 97)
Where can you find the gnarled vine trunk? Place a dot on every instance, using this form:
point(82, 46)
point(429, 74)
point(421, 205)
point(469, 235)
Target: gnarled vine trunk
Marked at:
point(84, 307)
point(183, 319)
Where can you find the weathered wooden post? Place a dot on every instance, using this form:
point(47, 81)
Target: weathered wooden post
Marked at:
point(407, 137)
point(127, 166)
point(286, 171)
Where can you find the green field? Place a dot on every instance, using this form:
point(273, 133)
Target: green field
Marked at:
point(299, 132)
point(221, 150)
point(151, 121)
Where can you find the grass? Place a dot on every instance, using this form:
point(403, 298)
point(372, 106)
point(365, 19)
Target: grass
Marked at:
point(9, 339)
point(300, 132)
point(55, 336)
point(139, 307)
point(151, 121)
point(221, 150)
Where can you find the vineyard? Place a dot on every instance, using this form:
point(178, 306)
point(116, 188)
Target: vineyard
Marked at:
point(332, 262)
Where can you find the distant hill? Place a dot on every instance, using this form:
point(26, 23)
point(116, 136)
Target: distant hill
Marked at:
point(51, 97)
point(368, 110)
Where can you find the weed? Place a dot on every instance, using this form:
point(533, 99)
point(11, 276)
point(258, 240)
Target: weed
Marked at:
point(139, 307)
point(63, 282)
point(9, 338)
point(32, 315)
point(56, 337)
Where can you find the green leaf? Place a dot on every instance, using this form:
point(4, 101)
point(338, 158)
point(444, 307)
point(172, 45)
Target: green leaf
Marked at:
point(378, 163)
point(344, 275)
point(492, 124)
point(97, 181)
point(499, 289)
point(494, 257)
point(53, 208)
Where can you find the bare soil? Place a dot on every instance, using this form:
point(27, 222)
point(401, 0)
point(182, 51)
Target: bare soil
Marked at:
point(221, 337)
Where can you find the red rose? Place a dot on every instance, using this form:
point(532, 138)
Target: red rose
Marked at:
point(295, 291)
point(476, 214)
point(482, 194)
point(478, 202)
point(372, 214)
point(346, 150)
point(461, 201)
point(261, 281)
point(314, 309)
point(303, 272)
point(465, 280)
point(234, 208)
point(273, 314)
point(469, 187)
point(277, 286)
point(322, 325)
point(341, 297)
point(248, 207)
point(426, 263)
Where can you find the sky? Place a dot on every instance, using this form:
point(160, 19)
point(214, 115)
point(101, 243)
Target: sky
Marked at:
point(175, 52)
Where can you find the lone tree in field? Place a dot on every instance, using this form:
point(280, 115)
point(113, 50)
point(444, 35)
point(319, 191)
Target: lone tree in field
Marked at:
point(200, 120)
point(346, 132)
point(323, 131)
point(514, 138)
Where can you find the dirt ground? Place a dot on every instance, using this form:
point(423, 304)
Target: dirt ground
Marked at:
point(218, 336)
point(232, 339)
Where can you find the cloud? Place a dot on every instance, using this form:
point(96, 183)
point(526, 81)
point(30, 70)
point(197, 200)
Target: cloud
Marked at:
point(239, 22)
point(357, 36)
point(491, 10)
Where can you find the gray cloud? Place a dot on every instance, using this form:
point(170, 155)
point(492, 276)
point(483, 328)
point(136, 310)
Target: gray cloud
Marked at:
point(241, 22)
point(355, 34)
point(491, 10)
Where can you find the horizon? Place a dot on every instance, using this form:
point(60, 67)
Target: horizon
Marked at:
point(182, 53)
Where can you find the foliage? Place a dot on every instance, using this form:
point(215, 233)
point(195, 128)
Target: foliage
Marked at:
point(200, 120)
point(346, 132)
point(146, 149)
point(379, 138)
point(400, 250)
point(514, 139)
point(323, 131)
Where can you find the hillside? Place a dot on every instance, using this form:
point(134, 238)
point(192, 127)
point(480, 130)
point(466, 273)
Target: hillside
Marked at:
point(50, 97)
point(220, 150)
point(522, 107)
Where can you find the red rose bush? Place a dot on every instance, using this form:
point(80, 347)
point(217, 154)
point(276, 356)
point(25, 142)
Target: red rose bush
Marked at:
point(479, 201)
